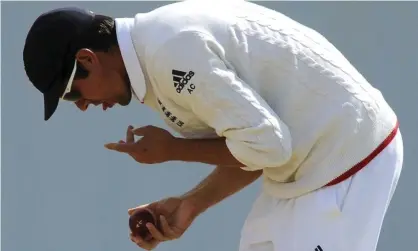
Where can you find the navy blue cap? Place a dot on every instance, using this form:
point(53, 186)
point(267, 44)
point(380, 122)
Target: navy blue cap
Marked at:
point(49, 52)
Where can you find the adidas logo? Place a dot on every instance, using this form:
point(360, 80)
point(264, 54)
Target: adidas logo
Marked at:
point(318, 248)
point(181, 79)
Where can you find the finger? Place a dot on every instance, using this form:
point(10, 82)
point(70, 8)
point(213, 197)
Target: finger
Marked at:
point(121, 147)
point(121, 142)
point(141, 131)
point(138, 240)
point(133, 210)
point(130, 137)
point(156, 234)
point(148, 245)
point(166, 229)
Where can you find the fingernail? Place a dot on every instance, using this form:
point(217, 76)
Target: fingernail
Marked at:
point(109, 145)
point(130, 127)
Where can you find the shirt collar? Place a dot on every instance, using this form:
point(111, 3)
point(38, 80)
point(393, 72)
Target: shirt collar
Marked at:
point(130, 57)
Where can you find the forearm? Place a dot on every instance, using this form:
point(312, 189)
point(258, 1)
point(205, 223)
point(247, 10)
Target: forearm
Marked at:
point(220, 184)
point(208, 151)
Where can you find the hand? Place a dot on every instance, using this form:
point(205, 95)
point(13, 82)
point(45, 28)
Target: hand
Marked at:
point(175, 216)
point(155, 146)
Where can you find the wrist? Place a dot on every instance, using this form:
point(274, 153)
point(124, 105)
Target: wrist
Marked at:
point(174, 149)
point(196, 204)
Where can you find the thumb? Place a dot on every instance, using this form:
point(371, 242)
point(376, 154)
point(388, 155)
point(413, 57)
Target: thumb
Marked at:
point(131, 211)
point(120, 147)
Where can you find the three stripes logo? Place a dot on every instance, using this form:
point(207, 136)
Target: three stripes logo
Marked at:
point(318, 248)
point(181, 79)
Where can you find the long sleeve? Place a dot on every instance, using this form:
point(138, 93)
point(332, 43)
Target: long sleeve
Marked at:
point(191, 70)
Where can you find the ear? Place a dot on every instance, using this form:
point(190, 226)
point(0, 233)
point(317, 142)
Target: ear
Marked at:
point(87, 58)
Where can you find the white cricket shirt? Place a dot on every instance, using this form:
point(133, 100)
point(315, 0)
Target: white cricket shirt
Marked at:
point(286, 100)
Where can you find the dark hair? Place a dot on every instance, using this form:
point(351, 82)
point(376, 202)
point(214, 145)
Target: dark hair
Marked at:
point(100, 37)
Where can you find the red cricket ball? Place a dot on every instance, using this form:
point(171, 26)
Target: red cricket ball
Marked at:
point(138, 221)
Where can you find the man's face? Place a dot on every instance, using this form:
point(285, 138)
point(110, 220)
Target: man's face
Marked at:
point(107, 82)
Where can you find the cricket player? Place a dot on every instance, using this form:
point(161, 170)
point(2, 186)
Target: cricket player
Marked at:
point(252, 92)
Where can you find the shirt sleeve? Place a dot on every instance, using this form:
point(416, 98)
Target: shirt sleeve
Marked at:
point(191, 70)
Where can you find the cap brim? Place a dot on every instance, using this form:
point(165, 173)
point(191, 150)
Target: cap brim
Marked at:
point(51, 100)
point(50, 105)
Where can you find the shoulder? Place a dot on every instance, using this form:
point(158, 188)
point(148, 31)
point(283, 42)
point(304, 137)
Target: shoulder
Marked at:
point(153, 29)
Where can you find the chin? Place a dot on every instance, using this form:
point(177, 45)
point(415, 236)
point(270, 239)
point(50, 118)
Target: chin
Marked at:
point(124, 101)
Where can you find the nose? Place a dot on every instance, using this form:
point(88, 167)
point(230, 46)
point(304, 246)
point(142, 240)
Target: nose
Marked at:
point(82, 104)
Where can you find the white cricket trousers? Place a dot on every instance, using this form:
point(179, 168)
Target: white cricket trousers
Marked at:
point(347, 216)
